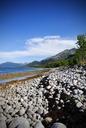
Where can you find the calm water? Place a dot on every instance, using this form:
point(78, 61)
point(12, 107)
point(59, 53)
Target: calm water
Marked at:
point(18, 69)
point(15, 70)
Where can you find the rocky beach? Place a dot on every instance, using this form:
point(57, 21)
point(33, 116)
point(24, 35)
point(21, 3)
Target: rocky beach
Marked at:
point(59, 96)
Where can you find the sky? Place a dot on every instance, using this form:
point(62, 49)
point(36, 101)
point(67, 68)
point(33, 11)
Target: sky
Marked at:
point(35, 29)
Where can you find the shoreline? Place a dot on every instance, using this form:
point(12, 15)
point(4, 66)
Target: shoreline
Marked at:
point(6, 83)
point(4, 76)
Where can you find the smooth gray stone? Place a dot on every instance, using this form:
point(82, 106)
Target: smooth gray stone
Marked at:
point(19, 122)
point(3, 124)
point(2, 121)
point(58, 125)
point(22, 111)
point(39, 125)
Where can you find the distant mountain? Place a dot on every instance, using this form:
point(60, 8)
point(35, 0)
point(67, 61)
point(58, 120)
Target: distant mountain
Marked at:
point(10, 65)
point(34, 63)
point(64, 54)
point(60, 56)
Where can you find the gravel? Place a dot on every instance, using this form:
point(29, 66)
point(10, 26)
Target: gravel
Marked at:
point(59, 96)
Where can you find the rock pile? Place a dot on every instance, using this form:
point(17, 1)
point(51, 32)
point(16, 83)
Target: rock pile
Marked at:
point(60, 96)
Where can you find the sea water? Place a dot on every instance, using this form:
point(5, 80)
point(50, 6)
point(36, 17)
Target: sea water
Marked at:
point(17, 69)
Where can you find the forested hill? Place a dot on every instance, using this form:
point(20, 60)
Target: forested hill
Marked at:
point(58, 57)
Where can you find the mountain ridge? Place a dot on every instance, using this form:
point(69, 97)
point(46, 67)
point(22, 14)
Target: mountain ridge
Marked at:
point(62, 55)
point(10, 64)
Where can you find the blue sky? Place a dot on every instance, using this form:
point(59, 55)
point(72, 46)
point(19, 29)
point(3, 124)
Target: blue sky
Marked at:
point(35, 29)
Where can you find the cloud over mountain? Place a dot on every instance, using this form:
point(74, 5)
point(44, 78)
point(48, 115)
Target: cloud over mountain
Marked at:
point(41, 46)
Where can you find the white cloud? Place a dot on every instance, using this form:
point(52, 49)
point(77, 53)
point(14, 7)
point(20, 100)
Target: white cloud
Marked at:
point(41, 46)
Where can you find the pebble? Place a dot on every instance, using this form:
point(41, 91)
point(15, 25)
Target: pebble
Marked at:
point(79, 104)
point(3, 124)
point(19, 122)
point(39, 125)
point(58, 125)
point(22, 111)
point(2, 121)
point(48, 120)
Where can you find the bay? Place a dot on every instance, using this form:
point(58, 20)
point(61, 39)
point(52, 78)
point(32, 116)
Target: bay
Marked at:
point(9, 70)
point(17, 69)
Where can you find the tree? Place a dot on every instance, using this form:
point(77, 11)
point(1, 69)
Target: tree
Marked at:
point(81, 41)
point(81, 49)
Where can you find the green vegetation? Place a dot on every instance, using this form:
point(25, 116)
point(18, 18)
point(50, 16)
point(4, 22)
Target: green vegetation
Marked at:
point(58, 63)
point(80, 55)
point(78, 58)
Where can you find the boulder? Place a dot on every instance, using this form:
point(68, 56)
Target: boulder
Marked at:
point(2, 124)
point(58, 125)
point(2, 121)
point(39, 125)
point(19, 122)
